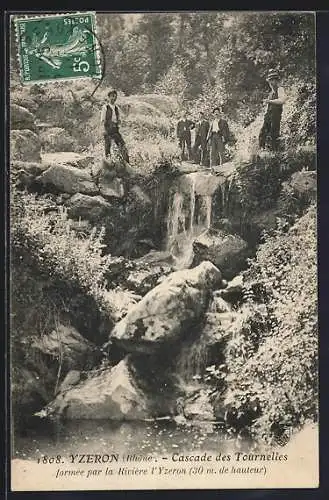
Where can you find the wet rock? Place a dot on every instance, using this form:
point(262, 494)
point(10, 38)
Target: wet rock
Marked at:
point(77, 160)
point(234, 289)
point(92, 208)
point(203, 183)
point(24, 145)
point(21, 118)
point(55, 139)
point(168, 310)
point(226, 251)
point(68, 179)
point(109, 394)
point(66, 343)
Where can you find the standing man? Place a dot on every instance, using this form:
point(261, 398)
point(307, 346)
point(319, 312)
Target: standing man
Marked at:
point(218, 136)
point(270, 131)
point(200, 142)
point(110, 121)
point(183, 132)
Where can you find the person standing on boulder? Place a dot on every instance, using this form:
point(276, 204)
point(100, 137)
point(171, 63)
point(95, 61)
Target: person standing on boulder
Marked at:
point(270, 131)
point(183, 132)
point(110, 121)
point(200, 141)
point(218, 137)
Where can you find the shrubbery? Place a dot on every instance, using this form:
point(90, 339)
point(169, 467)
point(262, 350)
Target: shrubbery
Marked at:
point(273, 355)
point(258, 183)
point(71, 271)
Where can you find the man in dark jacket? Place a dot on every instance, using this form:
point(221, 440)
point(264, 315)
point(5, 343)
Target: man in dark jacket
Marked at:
point(183, 132)
point(270, 131)
point(110, 121)
point(200, 141)
point(218, 137)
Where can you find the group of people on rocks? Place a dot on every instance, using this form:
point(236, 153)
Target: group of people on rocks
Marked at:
point(212, 135)
point(211, 138)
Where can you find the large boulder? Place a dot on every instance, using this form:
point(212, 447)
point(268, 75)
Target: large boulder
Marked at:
point(21, 118)
point(168, 310)
point(56, 139)
point(68, 179)
point(68, 158)
point(66, 343)
point(226, 251)
point(24, 145)
point(108, 394)
point(92, 208)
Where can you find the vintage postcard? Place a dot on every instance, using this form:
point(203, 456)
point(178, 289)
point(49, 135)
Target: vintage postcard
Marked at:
point(163, 251)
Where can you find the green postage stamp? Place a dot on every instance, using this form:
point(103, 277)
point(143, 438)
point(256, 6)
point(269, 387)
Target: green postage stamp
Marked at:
point(58, 47)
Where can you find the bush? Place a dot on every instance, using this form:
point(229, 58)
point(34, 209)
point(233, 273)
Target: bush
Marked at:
point(71, 269)
point(273, 357)
point(258, 183)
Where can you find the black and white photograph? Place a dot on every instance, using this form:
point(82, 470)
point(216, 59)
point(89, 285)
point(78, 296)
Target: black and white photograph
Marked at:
point(163, 250)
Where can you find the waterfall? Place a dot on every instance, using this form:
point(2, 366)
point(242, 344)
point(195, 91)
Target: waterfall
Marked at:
point(192, 361)
point(208, 213)
point(189, 214)
point(192, 195)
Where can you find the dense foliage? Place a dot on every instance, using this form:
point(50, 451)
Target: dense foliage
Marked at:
point(69, 272)
point(272, 357)
point(210, 56)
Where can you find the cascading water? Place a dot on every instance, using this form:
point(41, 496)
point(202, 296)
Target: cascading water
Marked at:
point(192, 362)
point(190, 213)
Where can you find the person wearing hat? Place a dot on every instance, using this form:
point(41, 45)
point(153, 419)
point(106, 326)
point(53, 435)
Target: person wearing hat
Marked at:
point(270, 131)
point(200, 141)
point(110, 121)
point(218, 137)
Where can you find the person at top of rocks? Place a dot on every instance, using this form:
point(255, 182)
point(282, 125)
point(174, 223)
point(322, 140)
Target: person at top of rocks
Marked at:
point(218, 137)
point(183, 132)
point(200, 141)
point(110, 122)
point(270, 131)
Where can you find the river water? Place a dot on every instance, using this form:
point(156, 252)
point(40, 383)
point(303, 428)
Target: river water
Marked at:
point(122, 437)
